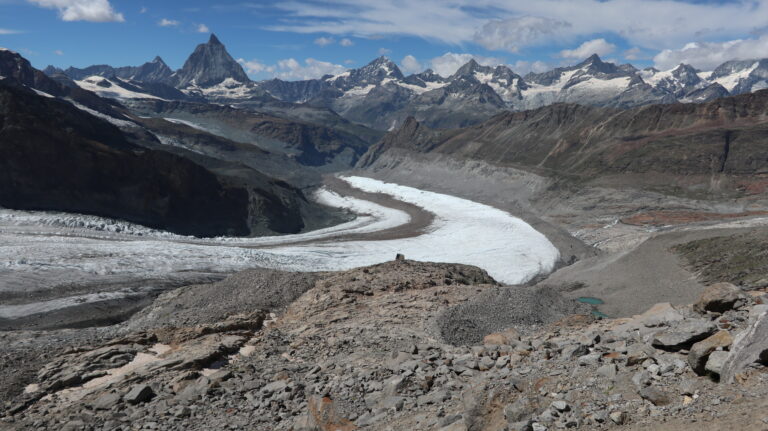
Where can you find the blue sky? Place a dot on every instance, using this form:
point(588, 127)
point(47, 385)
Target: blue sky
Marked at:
point(296, 39)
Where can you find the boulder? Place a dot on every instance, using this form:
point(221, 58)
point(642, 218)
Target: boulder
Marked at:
point(683, 334)
point(697, 357)
point(140, 393)
point(655, 396)
point(749, 346)
point(718, 298)
point(716, 361)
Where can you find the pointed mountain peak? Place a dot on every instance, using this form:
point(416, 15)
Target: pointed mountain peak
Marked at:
point(468, 68)
point(157, 59)
point(210, 64)
point(381, 61)
point(592, 59)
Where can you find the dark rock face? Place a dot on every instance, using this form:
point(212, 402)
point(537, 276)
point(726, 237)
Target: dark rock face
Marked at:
point(54, 156)
point(210, 64)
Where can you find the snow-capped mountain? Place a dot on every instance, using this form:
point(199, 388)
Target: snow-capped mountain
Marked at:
point(379, 95)
point(210, 64)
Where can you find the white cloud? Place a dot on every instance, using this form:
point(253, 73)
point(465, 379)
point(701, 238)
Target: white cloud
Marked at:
point(143, 9)
point(167, 23)
point(596, 46)
point(254, 67)
point(8, 31)
point(448, 63)
point(409, 65)
point(384, 51)
point(58, 52)
point(346, 42)
point(648, 24)
point(82, 10)
point(349, 61)
point(291, 69)
point(324, 41)
point(708, 55)
point(202, 28)
point(522, 67)
point(514, 33)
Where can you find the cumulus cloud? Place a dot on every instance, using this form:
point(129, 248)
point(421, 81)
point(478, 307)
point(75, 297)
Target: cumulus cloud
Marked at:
point(291, 69)
point(324, 41)
point(596, 46)
point(651, 25)
point(254, 67)
point(346, 42)
point(82, 10)
point(409, 64)
point(384, 51)
point(708, 55)
point(58, 52)
point(448, 63)
point(167, 23)
point(513, 33)
point(202, 28)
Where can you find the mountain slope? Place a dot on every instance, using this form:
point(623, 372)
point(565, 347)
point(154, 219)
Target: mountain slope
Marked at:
point(719, 144)
point(60, 154)
point(209, 64)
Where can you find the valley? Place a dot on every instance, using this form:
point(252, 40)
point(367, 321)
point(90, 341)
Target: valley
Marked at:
point(581, 248)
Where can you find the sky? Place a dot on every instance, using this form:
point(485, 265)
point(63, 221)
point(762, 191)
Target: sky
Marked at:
point(303, 39)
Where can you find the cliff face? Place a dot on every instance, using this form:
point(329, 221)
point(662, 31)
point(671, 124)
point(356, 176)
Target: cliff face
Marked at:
point(54, 156)
point(723, 137)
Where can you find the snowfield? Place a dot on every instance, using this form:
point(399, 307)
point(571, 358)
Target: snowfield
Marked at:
point(40, 251)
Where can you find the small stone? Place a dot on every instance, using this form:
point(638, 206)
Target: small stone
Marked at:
point(609, 371)
point(561, 406)
point(619, 418)
point(486, 363)
point(655, 396)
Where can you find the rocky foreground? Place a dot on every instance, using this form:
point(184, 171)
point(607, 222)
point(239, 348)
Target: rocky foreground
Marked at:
point(398, 346)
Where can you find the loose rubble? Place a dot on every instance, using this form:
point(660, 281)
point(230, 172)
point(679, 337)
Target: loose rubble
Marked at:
point(368, 349)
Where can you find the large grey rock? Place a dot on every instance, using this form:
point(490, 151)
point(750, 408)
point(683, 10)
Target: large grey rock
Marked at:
point(697, 357)
point(655, 396)
point(718, 298)
point(716, 361)
point(748, 347)
point(139, 394)
point(683, 334)
point(106, 401)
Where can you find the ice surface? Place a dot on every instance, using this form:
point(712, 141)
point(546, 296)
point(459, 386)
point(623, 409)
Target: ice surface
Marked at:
point(36, 246)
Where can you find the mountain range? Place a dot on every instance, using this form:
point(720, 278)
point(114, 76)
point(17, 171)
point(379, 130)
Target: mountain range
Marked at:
point(378, 95)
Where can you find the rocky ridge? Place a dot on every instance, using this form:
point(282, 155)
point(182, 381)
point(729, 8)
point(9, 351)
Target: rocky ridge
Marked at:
point(362, 349)
point(380, 96)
